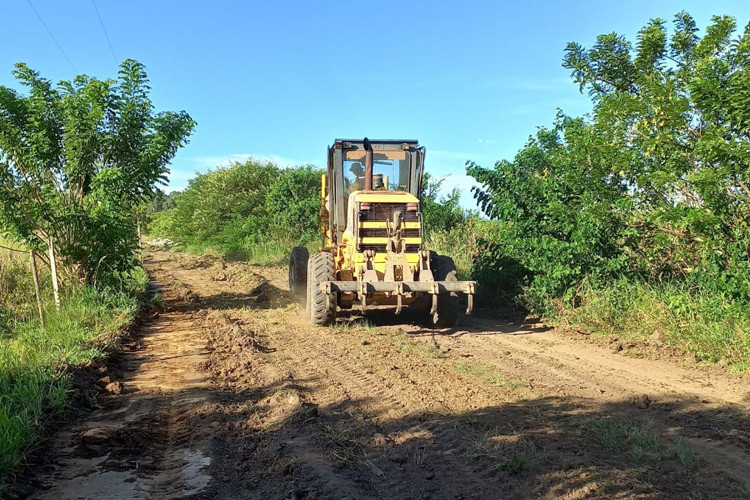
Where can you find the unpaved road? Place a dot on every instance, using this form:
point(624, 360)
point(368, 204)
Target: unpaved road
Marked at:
point(229, 393)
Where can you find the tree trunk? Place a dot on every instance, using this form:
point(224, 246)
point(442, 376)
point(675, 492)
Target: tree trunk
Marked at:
point(53, 268)
point(37, 291)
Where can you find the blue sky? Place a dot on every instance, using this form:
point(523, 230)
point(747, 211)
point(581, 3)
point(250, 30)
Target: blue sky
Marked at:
point(469, 80)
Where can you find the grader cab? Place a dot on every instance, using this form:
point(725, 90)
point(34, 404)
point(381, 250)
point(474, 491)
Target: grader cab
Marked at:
point(372, 252)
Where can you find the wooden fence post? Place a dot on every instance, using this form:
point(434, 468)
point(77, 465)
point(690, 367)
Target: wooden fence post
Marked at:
point(38, 293)
point(53, 267)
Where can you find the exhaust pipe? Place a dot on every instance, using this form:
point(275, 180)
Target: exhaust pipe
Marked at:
point(368, 165)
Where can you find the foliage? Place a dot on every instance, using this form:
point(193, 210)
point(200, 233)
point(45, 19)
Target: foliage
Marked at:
point(34, 361)
point(563, 209)
point(294, 202)
point(674, 113)
point(17, 296)
point(251, 209)
point(704, 324)
point(76, 159)
point(653, 185)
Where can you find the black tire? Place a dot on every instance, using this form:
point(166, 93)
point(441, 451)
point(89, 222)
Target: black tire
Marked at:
point(444, 269)
point(298, 272)
point(322, 309)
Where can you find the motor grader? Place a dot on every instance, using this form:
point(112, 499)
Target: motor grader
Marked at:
point(372, 252)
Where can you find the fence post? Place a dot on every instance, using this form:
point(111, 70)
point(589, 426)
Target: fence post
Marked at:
point(53, 267)
point(38, 293)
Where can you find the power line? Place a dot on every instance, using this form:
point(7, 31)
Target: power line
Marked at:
point(52, 36)
point(106, 35)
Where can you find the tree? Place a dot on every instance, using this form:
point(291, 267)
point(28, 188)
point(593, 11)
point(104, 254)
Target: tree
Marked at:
point(655, 182)
point(243, 205)
point(564, 211)
point(76, 159)
point(674, 111)
point(225, 206)
point(294, 202)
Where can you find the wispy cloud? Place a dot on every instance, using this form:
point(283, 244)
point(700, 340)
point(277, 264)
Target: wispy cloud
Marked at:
point(485, 141)
point(463, 183)
point(224, 160)
point(442, 156)
point(187, 168)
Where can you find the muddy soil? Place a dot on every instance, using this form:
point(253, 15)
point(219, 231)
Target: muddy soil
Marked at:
point(231, 394)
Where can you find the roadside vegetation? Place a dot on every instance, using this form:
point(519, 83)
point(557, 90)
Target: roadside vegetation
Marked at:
point(633, 220)
point(629, 221)
point(252, 211)
point(77, 160)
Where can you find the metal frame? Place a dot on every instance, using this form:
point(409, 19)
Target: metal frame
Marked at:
point(399, 288)
point(369, 284)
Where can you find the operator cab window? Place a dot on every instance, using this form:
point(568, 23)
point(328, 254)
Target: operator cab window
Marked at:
point(390, 170)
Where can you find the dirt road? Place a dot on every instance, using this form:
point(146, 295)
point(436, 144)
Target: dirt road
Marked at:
point(231, 394)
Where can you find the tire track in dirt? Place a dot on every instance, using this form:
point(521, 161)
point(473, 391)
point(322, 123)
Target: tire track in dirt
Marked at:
point(704, 406)
point(391, 404)
point(424, 406)
point(352, 387)
point(146, 442)
point(587, 365)
point(385, 410)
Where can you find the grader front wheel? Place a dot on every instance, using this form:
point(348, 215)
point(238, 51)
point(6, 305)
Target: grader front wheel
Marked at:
point(320, 306)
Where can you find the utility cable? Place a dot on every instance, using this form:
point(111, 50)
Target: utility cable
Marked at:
point(106, 35)
point(52, 36)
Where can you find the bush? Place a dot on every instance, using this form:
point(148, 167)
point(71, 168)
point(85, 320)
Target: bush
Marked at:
point(254, 211)
point(710, 326)
point(649, 194)
point(34, 362)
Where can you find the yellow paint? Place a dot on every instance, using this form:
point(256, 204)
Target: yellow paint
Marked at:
point(384, 225)
point(382, 154)
point(345, 254)
point(384, 240)
point(384, 197)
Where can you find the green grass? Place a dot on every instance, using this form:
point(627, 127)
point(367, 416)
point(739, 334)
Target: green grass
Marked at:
point(636, 439)
point(408, 346)
point(709, 326)
point(17, 299)
point(462, 243)
point(639, 440)
point(508, 454)
point(34, 362)
point(487, 374)
point(684, 453)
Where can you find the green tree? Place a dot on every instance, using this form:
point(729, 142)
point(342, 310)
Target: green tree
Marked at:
point(75, 160)
point(674, 112)
point(294, 202)
point(237, 207)
point(563, 209)
point(224, 207)
point(654, 182)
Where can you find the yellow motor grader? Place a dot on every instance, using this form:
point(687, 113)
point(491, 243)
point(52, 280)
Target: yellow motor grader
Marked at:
point(373, 250)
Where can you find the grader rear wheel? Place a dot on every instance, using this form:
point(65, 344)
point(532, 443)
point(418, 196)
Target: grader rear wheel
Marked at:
point(298, 272)
point(320, 306)
point(444, 269)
